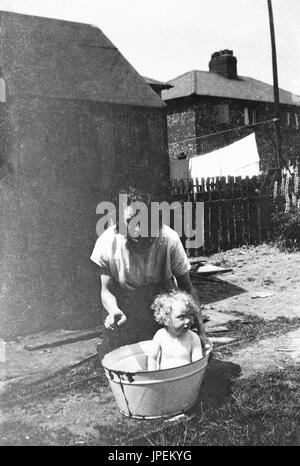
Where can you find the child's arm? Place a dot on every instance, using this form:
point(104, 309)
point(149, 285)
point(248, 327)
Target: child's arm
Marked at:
point(197, 352)
point(153, 354)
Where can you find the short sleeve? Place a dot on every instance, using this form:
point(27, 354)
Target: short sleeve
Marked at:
point(178, 259)
point(101, 252)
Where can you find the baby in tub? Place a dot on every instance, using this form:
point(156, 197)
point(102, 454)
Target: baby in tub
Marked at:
point(175, 344)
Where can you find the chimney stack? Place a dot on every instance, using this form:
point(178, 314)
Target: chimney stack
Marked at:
point(224, 63)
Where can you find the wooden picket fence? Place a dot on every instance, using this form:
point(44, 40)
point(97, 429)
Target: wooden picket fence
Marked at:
point(236, 211)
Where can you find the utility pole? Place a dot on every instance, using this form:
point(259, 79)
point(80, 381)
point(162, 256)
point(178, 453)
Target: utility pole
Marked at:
point(275, 87)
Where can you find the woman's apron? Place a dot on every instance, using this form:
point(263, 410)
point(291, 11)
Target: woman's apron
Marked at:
point(140, 324)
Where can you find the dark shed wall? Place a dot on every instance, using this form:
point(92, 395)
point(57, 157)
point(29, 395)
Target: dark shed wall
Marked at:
point(65, 157)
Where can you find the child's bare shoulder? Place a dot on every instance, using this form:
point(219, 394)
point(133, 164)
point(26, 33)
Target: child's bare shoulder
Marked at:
point(159, 334)
point(194, 337)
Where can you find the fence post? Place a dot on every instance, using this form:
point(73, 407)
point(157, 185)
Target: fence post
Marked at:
point(259, 219)
point(234, 213)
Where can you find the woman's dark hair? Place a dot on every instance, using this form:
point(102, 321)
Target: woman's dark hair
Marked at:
point(133, 195)
point(136, 194)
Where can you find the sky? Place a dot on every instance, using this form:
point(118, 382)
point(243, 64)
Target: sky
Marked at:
point(163, 39)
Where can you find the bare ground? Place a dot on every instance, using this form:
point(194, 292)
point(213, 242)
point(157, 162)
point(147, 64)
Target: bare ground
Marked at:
point(261, 270)
point(76, 406)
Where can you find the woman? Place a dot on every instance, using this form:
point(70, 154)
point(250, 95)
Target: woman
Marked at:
point(134, 269)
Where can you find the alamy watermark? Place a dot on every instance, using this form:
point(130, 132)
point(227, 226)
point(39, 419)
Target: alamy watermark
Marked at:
point(148, 219)
point(2, 350)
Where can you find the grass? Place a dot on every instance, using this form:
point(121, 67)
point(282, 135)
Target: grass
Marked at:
point(88, 374)
point(262, 410)
point(253, 328)
point(230, 257)
point(85, 376)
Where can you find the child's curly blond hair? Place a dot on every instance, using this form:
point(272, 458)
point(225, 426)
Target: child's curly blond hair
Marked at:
point(163, 305)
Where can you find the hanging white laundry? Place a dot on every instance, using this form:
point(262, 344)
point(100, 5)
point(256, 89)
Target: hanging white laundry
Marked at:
point(238, 159)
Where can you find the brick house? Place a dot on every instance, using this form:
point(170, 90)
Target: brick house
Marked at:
point(214, 101)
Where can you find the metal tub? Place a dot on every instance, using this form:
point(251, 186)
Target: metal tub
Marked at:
point(146, 394)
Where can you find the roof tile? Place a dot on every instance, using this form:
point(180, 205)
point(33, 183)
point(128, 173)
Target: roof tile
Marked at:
point(205, 83)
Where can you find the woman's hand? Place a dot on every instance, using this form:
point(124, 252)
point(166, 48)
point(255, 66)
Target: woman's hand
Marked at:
point(205, 342)
point(207, 346)
point(115, 319)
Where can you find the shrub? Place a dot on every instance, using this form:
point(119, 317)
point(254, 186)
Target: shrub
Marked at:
point(287, 228)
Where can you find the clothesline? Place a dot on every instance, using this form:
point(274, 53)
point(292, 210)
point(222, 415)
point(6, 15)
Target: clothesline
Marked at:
point(225, 131)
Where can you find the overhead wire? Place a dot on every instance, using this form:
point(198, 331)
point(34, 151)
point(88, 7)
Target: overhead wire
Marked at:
point(236, 128)
point(225, 131)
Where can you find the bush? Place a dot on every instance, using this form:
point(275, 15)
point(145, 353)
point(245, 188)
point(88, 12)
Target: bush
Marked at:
point(287, 228)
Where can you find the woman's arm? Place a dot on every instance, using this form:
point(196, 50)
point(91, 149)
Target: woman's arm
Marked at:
point(115, 317)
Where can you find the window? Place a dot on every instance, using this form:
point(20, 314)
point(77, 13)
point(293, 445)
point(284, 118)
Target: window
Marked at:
point(223, 113)
point(292, 120)
point(249, 115)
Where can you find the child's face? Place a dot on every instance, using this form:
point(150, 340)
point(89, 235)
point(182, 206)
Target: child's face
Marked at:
point(181, 319)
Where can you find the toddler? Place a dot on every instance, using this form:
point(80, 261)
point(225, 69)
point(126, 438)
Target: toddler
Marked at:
point(175, 344)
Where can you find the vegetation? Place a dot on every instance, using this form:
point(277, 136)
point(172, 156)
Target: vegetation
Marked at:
point(286, 216)
point(287, 228)
point(261, 410)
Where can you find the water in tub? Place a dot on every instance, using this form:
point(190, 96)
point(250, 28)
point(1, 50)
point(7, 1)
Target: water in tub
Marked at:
point(165, 351)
